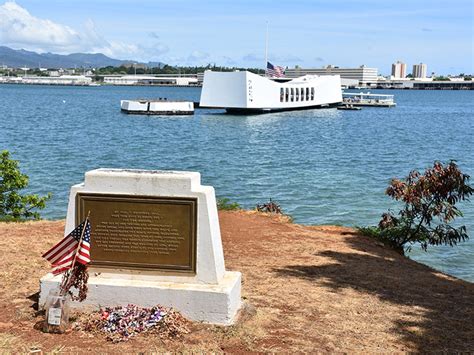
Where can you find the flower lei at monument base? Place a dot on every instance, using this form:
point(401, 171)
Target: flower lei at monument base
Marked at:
point(121, 323)
point(156, 240)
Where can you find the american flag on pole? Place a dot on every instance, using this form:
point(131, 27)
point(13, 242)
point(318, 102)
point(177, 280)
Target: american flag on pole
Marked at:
point(274, 71)
point(62, 255)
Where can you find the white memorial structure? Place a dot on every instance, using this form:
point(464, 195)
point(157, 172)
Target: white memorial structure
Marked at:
point(155, 240)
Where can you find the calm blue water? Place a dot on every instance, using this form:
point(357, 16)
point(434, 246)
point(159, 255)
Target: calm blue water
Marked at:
point(322, 166)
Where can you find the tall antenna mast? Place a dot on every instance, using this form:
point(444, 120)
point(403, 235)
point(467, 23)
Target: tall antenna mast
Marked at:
point(266, 49)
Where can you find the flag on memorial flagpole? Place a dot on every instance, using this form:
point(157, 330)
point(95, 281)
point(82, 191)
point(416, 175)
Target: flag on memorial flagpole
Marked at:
point(74, 248)
point(274, 71)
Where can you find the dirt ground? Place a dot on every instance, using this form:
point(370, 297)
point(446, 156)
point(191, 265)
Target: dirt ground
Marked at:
point(307, 289)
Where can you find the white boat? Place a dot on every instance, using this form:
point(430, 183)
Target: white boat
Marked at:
point(157, 107)
point(368, 99)
point(245, 92)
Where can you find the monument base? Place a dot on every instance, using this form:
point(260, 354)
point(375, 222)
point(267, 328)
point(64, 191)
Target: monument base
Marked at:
point(208, 303)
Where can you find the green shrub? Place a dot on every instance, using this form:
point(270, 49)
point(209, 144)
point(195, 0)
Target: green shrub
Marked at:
point(386, 237)
point(13, 205)
point(226, 205)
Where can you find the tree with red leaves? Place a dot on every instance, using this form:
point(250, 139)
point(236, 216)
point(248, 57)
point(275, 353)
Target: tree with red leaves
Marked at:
point(430, 205)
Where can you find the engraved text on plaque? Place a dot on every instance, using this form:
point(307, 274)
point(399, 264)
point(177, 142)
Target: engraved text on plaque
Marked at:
point(141, 232)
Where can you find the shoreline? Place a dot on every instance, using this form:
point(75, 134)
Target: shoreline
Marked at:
point(415, 254)
point(422, 86)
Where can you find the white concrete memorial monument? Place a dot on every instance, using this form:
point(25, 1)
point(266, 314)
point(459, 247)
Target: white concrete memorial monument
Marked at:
point(155, 239)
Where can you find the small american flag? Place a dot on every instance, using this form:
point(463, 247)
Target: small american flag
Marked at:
point(61, 256)
point(275, 71)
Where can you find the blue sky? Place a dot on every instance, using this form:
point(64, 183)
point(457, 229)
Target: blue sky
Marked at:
point(306, 33)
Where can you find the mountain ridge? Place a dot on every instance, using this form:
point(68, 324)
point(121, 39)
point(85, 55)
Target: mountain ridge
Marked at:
point(17, 58)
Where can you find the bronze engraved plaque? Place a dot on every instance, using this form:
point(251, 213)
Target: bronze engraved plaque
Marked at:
point(141, 232)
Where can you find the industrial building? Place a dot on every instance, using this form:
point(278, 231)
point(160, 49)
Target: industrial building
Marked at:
point(361, 74)
point(425, 84)
point(171, 80)
point(46, 80)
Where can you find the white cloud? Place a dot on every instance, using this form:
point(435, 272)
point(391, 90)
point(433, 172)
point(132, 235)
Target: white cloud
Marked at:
point(19, 28)
point(197, 56)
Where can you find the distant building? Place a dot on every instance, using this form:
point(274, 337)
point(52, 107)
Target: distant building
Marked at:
point(399, 70)
point(362, 74)
point(46, 80)
point(200, 78)
point(419, 71)
point(151, 80)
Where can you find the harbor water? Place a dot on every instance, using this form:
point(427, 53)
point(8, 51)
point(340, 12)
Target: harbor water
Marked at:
point(322, 166)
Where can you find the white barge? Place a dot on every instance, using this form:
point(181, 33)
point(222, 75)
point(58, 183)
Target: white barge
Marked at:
point(157, 107)
point(242, 92)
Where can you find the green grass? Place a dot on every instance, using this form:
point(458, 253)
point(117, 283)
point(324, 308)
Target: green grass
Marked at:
point(224, 204)
point(370, 231)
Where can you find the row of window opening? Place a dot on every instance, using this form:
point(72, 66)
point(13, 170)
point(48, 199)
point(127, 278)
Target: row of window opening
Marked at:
point(296, 94)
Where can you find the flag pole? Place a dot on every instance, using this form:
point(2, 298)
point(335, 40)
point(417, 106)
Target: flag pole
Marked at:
point(266, 49)
point(78, 248)
point(80, 239)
